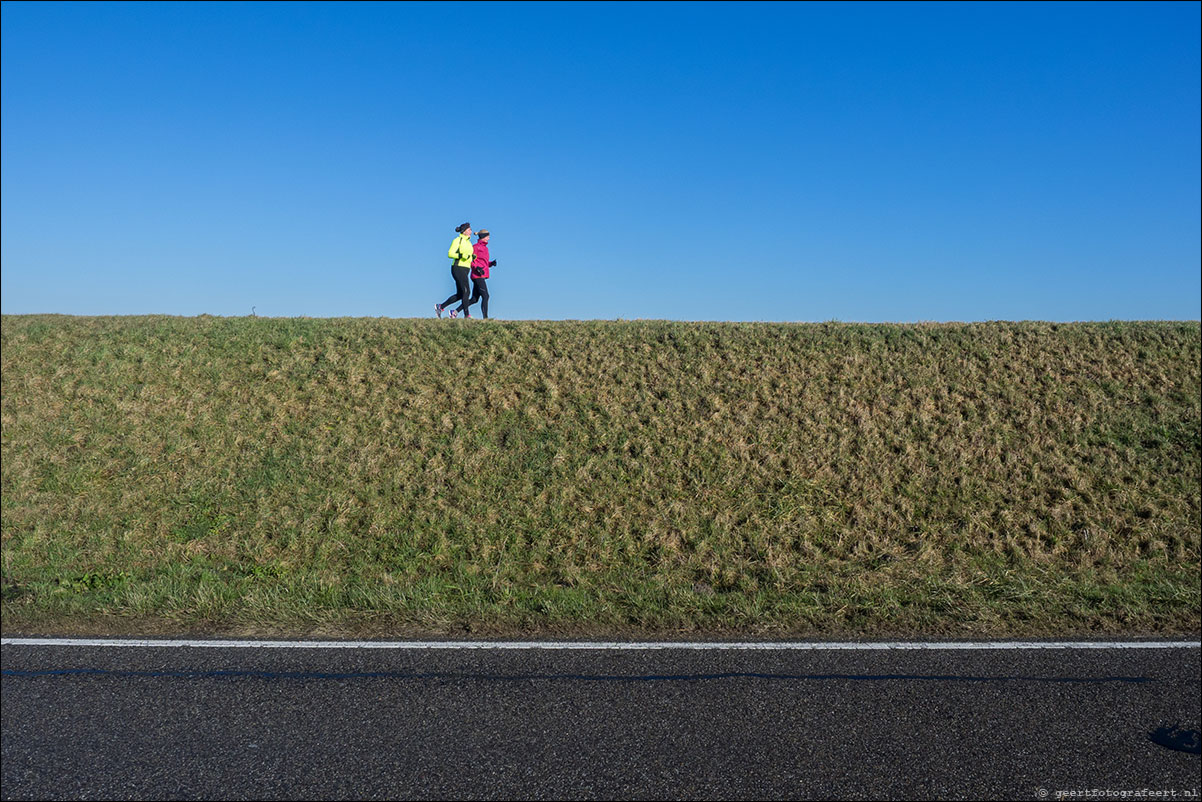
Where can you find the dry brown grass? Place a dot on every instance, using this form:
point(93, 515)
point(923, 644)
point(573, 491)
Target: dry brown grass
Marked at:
point(379, 476)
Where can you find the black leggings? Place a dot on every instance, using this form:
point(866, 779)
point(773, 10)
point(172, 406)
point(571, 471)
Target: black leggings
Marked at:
point(460, 275)
point(480, 293)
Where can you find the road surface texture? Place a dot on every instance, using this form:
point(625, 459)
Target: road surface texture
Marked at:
point(191, 723)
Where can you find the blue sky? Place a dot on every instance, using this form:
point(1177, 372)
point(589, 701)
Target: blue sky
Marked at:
point(807, 162)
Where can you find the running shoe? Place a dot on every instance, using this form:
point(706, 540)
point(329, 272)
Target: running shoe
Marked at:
point(438, 309)
point(467, 314)
point(453, 313)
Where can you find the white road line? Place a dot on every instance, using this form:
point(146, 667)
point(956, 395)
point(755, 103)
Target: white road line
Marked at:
point(602, 645)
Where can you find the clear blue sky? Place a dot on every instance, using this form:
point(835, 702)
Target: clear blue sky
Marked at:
point(810, 162)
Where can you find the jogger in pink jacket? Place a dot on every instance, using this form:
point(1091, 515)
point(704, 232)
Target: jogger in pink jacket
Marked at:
point(480, 266)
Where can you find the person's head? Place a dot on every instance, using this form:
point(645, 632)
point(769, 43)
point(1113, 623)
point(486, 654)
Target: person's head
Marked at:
point(464, 229)
point(482, 236)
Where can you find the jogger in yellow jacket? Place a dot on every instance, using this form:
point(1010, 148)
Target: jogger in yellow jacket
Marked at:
point(461, 254)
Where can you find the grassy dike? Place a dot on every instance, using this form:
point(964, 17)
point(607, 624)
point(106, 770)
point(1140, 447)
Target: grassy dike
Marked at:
point(380, 477)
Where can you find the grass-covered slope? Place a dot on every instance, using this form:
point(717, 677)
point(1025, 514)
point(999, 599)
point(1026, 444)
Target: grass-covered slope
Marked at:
point(375, 476)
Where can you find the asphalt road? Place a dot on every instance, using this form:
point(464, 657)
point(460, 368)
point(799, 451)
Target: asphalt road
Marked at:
point(84, 723)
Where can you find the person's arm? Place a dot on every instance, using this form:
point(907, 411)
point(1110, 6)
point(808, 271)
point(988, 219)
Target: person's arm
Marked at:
point(453, 251)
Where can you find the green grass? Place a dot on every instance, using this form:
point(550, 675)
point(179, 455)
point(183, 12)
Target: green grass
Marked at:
point(399, 477)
